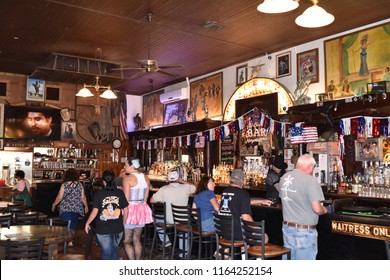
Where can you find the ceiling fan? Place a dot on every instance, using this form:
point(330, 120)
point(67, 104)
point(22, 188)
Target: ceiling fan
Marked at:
point(149, 65)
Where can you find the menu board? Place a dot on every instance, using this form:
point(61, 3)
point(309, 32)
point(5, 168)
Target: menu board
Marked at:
point(227, 150)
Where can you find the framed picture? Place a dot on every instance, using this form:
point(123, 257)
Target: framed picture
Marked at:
point(153, 110)
point(35, 90)
point(307, 64)
point(68, 130)
point(369, 150)
point(175, 112)
point(206, 97)
point(283, 65)
point(241, 74)
point(355, 59)
point(2, 120)
point(1, 144)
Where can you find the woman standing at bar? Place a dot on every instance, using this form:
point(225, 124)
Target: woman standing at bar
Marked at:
point(205, 200)
point(71, 198)
point(136, 189)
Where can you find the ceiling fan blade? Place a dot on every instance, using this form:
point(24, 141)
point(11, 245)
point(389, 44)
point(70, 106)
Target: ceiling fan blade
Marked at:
point(166, 73)
point(126, 68)
point(138, 74)
point(170, 66)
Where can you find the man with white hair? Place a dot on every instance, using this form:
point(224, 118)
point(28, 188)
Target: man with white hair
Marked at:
point(176, 192)
point(301, 195)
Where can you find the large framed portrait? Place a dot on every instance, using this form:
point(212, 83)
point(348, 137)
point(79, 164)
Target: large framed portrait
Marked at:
point(355, 59)
point(153, 110)
point(241, 74)
point(283, 65)
point(35, 90)
point(175, 112)
point(206, 97)
point(307, 66)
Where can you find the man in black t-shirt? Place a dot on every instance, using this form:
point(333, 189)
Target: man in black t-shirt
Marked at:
point(236, 201)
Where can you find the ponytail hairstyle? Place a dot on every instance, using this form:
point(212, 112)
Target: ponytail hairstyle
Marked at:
point(109, 177)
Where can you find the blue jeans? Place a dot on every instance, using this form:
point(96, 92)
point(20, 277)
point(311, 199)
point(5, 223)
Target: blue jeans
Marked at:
point(208, 225)
point(72, 217)
point(109, 244)
point(301, 241)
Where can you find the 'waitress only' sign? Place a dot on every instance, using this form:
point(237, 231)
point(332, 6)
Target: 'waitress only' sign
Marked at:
point(362, 230)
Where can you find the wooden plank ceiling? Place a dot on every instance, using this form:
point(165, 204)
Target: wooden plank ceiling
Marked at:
point(116, 32)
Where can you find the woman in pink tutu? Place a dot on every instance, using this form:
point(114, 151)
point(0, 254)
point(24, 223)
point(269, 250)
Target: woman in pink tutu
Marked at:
point(136, 189)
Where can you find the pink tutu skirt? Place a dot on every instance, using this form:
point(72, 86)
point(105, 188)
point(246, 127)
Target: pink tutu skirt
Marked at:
point(139, 214)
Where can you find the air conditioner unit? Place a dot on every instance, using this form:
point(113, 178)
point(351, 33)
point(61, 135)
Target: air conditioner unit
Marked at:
point(174, 95)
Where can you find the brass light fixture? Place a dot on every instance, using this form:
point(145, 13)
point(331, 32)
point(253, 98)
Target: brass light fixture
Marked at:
point(107, 94)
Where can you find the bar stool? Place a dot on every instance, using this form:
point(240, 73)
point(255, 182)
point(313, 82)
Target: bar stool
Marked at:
point(204, 239)
point(160, 226)
point(181, 229)
point(227, 247)
point(147, 237)
point(254, 242)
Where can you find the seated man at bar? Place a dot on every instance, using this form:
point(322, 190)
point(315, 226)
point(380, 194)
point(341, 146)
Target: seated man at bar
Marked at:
point(177, 192)
point(301, 195)
point(237, 202)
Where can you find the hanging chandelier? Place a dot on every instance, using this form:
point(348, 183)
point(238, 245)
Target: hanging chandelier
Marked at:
point(107, 94)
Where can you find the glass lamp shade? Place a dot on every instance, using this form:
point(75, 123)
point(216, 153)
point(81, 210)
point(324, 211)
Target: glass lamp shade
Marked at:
point(108, 94)
point(84, 92)
point(313, 17)
point(277, 6)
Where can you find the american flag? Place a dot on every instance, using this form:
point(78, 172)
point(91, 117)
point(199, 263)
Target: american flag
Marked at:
point(123, 117)
point(296, 135)
point(310, 134)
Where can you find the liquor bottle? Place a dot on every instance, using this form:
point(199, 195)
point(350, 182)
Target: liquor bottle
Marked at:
point(370, 174)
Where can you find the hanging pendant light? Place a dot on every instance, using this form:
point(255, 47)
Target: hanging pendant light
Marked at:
point(277, 6)
point(315, 16)
point(85, 92)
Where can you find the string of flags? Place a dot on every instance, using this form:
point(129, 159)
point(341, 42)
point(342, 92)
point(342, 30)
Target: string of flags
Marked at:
point(255, 123)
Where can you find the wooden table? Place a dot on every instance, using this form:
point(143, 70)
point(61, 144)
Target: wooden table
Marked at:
point(54, 235)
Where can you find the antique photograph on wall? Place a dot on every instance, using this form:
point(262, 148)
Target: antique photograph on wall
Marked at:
point(68, 130)
point(241, 74)
point(283, 65)
point(1, 120)
point(206, 97)
point(153, 110)
point(175, 112)
point(307, 66)
point(355, 59)
point(35, 90)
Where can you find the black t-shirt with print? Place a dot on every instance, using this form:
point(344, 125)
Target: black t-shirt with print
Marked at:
point(109, 203)
point(236, 201)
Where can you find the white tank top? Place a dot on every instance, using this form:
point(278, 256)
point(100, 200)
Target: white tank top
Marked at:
point(137, 193)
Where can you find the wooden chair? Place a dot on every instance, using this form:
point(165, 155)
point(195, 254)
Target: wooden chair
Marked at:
point(160, 226)
point(254, 242)
point(181, 230)
point(24, 249)
point(27, 218)
point(204, 239)
point(227, 247)
point(5, 219)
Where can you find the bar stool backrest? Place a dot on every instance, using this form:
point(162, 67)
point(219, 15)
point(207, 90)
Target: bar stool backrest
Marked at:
point(6, 219)
point(27, 218)
point(254, 235)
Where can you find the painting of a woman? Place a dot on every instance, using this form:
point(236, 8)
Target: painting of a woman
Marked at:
point(363, 56)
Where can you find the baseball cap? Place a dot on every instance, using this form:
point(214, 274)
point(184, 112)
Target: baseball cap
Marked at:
point(173, 175)
point(237, 177)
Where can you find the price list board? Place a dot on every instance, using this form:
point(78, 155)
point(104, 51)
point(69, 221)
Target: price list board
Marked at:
point(227, 150)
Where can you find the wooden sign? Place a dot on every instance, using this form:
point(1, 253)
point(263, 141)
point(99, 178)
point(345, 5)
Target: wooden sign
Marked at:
point(363, 230)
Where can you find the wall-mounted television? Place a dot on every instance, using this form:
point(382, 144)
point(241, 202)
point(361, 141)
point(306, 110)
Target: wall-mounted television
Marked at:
point(32, 123)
